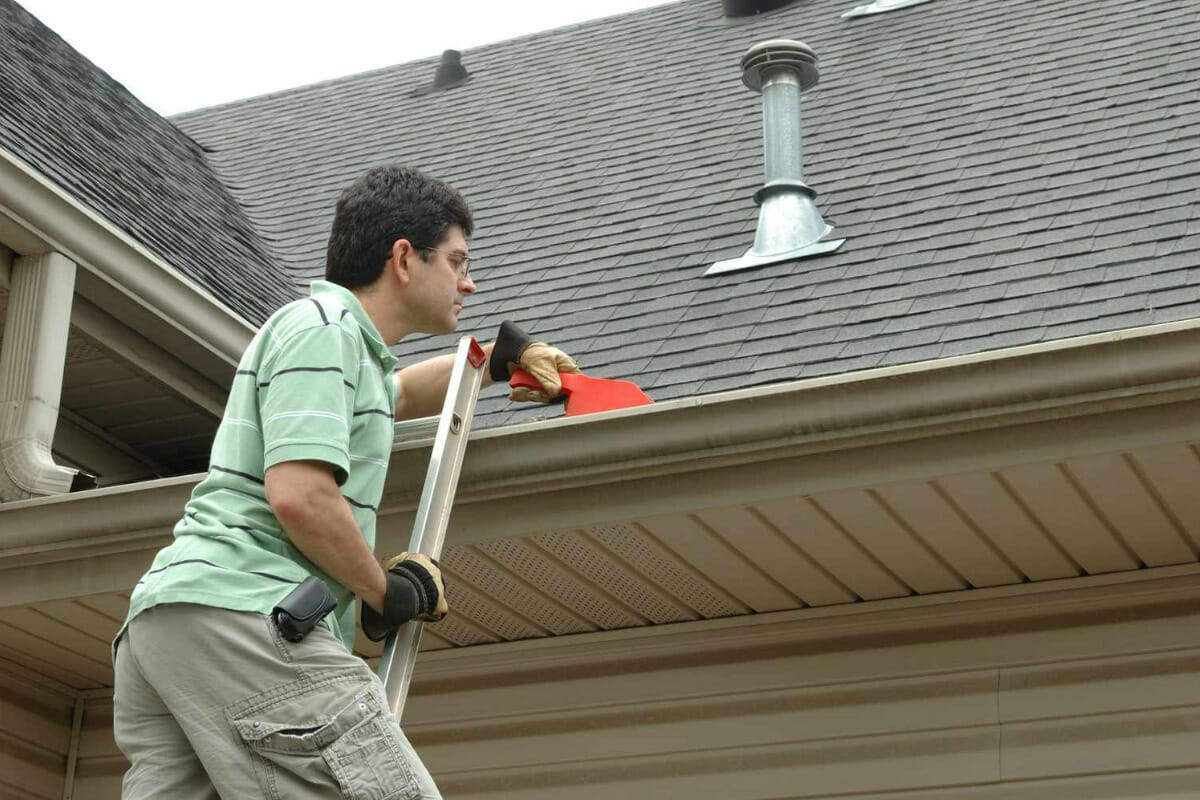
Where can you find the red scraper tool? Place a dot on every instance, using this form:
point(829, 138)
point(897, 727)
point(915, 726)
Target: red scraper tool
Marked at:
point(587, 395)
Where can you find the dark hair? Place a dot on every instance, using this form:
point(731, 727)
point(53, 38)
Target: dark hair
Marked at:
point(387, 203)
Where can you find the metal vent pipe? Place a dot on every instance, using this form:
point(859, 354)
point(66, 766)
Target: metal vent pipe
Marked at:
point(789, 225)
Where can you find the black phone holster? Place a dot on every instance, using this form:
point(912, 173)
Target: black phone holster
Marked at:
point(305, 606)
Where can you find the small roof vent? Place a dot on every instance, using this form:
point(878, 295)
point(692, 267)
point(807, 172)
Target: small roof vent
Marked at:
point(450, 73)
point(789, 225)
point(880, 6)
point(748, 8)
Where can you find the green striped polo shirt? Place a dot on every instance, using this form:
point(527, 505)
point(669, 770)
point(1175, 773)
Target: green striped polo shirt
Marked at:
point(316, 383)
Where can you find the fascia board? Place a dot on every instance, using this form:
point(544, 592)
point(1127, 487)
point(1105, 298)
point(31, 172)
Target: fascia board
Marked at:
point(95, 244)
point(1132, 372)
point(1053, 380)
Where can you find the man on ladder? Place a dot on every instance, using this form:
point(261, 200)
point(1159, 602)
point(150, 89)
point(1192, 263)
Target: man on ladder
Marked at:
point(226, 685)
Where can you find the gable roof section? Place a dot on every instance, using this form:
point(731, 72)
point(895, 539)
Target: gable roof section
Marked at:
point(1004, 174)
point(86, 133)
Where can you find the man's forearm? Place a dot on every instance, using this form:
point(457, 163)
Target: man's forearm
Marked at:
point(421, 388)
point(320, 523)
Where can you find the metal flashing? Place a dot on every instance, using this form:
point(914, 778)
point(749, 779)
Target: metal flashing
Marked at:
point(749, 8)
point(879, 7)
point(751, 260)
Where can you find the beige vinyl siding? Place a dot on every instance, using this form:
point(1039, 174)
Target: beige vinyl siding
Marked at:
point(1081, 702)
point(100, 766)
point(35, 736)
point(1018, 714)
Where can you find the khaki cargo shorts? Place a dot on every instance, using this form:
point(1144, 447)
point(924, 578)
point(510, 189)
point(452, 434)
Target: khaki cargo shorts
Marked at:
point(211, 703)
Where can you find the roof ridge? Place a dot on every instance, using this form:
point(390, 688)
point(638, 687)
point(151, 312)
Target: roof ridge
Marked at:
point(430, 59)
point(84, 130)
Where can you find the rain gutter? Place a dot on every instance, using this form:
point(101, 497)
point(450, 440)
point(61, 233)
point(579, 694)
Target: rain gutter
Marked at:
point(1118, 371)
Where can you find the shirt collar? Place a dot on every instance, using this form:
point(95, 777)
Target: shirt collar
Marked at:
point(346, 298)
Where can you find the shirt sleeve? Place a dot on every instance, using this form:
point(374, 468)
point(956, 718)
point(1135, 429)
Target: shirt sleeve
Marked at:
point(306, 394)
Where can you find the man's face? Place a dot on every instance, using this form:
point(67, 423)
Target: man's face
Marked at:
point(441, 283)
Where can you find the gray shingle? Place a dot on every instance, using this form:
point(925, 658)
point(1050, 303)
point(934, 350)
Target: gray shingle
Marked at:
point(1003, 174)
point(86, 133)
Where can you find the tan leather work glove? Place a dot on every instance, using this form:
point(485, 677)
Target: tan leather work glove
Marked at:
point(433, 606)
point(544, 363)
point(515, 348)
point(415, 590)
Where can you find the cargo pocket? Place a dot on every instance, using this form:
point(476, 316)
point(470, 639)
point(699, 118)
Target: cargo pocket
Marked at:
point(354, 749)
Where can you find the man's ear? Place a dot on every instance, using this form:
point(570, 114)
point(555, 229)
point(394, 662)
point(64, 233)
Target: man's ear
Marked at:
point(402, 249)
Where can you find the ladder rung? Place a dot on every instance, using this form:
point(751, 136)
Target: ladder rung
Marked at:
point(450, 431)
point(420, 428)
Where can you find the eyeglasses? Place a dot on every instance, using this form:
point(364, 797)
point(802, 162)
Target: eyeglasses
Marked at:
point(460, 262)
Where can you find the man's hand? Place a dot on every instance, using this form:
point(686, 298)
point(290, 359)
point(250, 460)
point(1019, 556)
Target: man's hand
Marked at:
point(415, 590)
point(514, 348)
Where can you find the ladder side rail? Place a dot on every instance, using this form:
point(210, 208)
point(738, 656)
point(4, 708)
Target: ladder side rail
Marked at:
point(433, 512)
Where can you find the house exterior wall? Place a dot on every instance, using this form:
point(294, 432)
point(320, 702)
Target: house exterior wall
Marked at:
point(1081, 695)
point(35, 735)
point(100, 764)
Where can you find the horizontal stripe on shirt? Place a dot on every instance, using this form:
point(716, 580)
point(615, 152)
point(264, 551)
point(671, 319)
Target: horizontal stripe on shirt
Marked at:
point(288, 414)
point(217, 566)
point(383, 412)
point(290, 370)
point(228, 471)
point(357, 504)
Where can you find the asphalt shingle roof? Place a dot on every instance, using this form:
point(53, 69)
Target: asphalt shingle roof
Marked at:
point(84, 131)
point(1004, 173)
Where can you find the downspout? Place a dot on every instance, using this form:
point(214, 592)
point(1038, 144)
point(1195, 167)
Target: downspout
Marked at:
point(32, 359)
point(73, 751)
point(6, 258)
point(83, 699)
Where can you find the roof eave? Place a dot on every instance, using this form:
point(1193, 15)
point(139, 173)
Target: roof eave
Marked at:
point(122, 275)
point(616, 465)
point(721, 435)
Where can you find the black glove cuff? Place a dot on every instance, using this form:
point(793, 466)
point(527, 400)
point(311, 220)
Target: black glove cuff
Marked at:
point(401, 602)
point(511, 341)
point(427, 587)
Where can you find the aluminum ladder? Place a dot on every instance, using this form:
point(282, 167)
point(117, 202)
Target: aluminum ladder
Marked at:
point(437, 497)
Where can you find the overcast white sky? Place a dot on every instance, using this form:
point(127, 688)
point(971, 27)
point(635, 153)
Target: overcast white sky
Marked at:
point(178, 56)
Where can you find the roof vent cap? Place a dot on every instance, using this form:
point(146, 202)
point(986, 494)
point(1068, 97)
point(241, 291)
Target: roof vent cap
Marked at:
point(789, 225)
point(450, 72)
point(747, 8)
point(880, 6)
